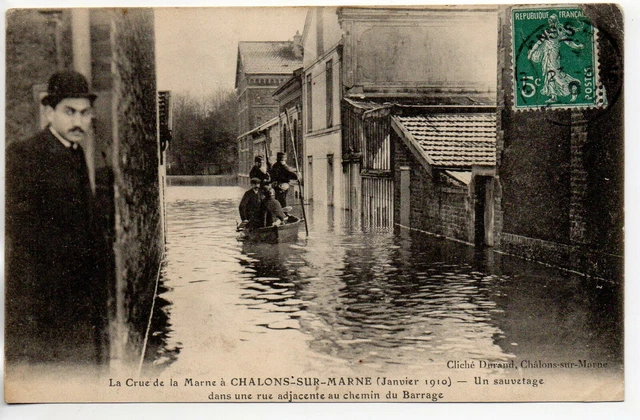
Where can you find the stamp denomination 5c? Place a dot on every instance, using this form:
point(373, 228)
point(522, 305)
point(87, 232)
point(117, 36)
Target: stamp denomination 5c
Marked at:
point(555, 59)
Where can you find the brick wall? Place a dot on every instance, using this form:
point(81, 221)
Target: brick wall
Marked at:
point(535, 175)
point(262, 96)
point(263, 106)
point(243, 113)
point(263, 114)
point(561, 172)
point(455, 210)
point(603, 151)
point(439, 204)
point(255, 107)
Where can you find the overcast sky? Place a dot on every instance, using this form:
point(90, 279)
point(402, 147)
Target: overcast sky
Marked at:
point(196, 48)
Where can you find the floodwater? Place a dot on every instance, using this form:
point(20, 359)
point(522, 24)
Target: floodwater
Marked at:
point(345, 302)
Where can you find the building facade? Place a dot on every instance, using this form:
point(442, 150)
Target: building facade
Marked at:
point(374, 57)
point(261, 68)
point(289, 97)
point(322, 92)
point(264, 140)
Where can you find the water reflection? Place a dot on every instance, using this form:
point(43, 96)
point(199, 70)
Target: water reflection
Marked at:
point(272, 283)
point(377, 298)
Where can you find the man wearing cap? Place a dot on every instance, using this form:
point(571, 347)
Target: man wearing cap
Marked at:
point(258, 172)
point(281, 175)
point(56, 305)
point(250, 206)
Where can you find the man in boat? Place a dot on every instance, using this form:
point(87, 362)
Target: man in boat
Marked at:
point(281, 175)
point(251, 206)
point(272, 210)
point(258, 172)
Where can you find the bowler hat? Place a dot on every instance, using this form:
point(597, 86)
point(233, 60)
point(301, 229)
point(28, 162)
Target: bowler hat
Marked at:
point(67, 84)
point(258, 158)
point(255, 180)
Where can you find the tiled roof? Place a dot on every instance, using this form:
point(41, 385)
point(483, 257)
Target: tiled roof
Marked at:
point(453, 140)
point(268, 57)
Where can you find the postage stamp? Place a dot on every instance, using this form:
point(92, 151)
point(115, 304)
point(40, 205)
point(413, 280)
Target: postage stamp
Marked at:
point(555, 59)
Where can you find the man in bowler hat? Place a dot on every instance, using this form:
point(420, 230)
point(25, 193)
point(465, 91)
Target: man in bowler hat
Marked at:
point(55, 301)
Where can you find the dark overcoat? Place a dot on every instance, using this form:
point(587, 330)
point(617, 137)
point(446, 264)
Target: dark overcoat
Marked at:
point(282, 174)
point(56, 297)
point(259, 174)
point(250, 207)
point(272, 211)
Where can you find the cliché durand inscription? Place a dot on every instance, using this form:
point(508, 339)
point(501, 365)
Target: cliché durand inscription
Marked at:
point(460, 376)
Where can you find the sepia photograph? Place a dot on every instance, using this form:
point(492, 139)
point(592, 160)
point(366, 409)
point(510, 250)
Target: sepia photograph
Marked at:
point(315, 204)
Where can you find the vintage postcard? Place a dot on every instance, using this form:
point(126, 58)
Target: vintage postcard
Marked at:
point(315, 204)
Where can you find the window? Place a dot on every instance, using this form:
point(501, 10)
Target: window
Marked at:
point(309, 183)
point(309, 104)
point(285, 139)
point(329, 88)
point(330, 179)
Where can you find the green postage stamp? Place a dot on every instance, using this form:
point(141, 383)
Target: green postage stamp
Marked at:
point(555, 59)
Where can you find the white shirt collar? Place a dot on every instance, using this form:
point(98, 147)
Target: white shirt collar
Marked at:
point(66, 143)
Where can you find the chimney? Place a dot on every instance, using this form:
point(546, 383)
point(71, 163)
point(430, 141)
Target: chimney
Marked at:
point(297, 44)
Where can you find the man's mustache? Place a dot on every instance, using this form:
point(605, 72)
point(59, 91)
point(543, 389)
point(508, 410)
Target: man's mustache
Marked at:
point(77, 130)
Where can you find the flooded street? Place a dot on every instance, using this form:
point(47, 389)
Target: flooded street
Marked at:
point(346, 302)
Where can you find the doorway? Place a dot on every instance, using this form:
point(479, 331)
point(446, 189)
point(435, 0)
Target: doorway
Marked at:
point(483, 211)
point(309, 183)
point(330, 180)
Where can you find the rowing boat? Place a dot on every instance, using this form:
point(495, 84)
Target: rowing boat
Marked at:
point(287, 232)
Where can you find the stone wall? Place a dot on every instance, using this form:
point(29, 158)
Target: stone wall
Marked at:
point(139, 243)
point(31, 57)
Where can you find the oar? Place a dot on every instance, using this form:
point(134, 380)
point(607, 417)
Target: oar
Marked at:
point(266, 157)
point(300, 181)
